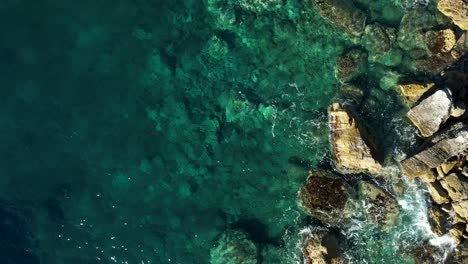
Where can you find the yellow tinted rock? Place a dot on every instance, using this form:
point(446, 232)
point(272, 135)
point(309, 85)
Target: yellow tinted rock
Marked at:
point(413, 91)
point(457, 10)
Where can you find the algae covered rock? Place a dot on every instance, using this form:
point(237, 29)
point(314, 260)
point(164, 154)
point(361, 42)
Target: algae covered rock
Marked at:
point(343, 14)
point(351, 145)
point(324, 196)
point(412, 27)
point(234, 247)
point(436, 150)
point(321, 248)
point(432, 112)
point(382, 208)
point(457, 10)
point(258, 6)
point(350, 65)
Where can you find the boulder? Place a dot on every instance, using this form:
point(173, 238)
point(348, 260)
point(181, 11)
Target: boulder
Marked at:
point(436, 150)
point(234, 247)
point(440, 41)
point(411, 31)
point(413, 91)
point(350, 65)
point(434, 64)
point(457, 10)
point(343, 14)
point(321, 248)
point(432, 112)
point(429, 176)
point(438, 193)
point(456, 186)
point(382, 208)
point(353, 150)
point(437, 220)
point(324, 196)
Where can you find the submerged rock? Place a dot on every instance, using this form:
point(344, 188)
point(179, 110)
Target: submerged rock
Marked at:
point(457, 10)
point(413, 91)
point(324, 196)
point(382, 208)
point(350, 65)
point(352, 148)
point(321, 248)
point(342, 14)
point(411, 30)
point(234, 247)
point(432, 112)
point(377, 39)
point(436, 150)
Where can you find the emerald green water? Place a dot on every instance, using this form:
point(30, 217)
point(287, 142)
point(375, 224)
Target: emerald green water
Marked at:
point(138, 131)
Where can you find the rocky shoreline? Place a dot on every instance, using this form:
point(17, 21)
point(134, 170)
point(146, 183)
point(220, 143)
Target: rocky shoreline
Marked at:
point(437, 104)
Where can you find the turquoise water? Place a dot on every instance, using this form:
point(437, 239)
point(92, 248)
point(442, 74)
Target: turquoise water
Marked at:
point(139, 131)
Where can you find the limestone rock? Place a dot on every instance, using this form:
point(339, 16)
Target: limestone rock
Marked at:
point(438, 193)
point(437, 220)
point(343, 14)
point(429, 176)
point(321, 248)
point(432, 112)
point(440, 41)
point(324, 196)
point(350, 65)
point(413, 91)
point(382, 209)
point(456, 232)
point(449, 165)
point(234, 247)
point(457, 10)
point(352, 148)
point(436, 150)
point(456, 186)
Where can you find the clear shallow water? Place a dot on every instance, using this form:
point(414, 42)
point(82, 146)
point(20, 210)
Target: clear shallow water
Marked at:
point(138, 131)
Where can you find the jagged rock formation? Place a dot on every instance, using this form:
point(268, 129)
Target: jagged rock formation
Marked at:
point(438, 149)
point(382, 208)
point(457, 10)
point(324, 196)
point(342, 14)
point(353, 150)
point(432, 112)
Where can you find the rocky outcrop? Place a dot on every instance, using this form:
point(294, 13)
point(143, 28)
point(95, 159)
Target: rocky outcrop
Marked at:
point(234, 247)
point(324, 196)
point(350, 65)
point(438, 193)
point(342, 14)
point(432, 112)
point(382, 208)
point(321, 248)
point(352, 148)
point(457, 10)
point(413, 91)
point(459, 255)
point(456, 186)
point(436, 150)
